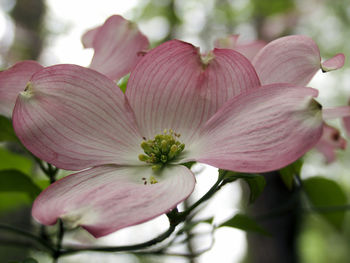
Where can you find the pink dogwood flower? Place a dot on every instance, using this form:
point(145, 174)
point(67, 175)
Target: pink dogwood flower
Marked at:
point(178, 107)
point(295, 60)
point(116, 44)
point(292, 59)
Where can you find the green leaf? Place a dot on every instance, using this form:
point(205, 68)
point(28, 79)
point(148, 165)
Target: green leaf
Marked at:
point(13, 200)
point(6, 130)
point(245, 223)
point(14, 161)
point(287, 173)
point(326, 195)
point(256, 185)
point(16, 181)
point(123, 82)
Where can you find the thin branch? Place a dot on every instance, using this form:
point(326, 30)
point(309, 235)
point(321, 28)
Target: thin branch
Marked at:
point(60, 234)
point(161, 252)
point(50, 171)
point(205, 197)
point(189, 241)
point(158, 239)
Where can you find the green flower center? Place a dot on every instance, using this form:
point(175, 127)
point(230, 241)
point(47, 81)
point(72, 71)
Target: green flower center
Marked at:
point(162, 149)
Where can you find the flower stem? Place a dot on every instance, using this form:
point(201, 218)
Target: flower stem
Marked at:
point(50, 171)
point(205, 197)
point(160, 238)
point(189, 242)
point(60, 234)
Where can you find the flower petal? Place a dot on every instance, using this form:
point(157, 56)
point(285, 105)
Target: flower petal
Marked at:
point(88, 38)
point(249, 50)
point(13, 81)
point(262, 130)
point(291, 59)
point(337, 112)
point(330, 141)
point(107, 198)
point(173, 87)
point(75, 118)
point(116, 44)
point(333, 63)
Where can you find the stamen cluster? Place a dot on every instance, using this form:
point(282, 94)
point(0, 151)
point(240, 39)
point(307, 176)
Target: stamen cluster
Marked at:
point(162, 149)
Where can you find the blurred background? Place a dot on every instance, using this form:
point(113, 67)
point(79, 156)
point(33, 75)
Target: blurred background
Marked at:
point(50, 31)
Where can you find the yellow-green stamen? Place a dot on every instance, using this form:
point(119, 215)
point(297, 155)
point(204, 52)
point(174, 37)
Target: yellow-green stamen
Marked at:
point(161, 150)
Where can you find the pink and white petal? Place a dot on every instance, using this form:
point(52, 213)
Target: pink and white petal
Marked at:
point(13, 81)
point(333, 137)
point(261, 130)
point(117, 44)
point(249, 49)
point(330, 141)
point(328, 151)
point(107, 198)
point(75, 118)
point(291, 59)
point(173, 87)
point(337, 112)
point(88, 37)
point(333, 63)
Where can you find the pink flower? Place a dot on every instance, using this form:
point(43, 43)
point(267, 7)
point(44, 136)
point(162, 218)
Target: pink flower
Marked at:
point(13, 81)
point(292, 59)
point(295, 60)
point(116, 43)
point(330, 142)
point(214, 110)
point(248, 49)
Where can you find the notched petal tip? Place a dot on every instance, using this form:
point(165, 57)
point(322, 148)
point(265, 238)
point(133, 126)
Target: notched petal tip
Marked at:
point(206, 59)
point(333, 63)
point(141, 53)
point(28, 91)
